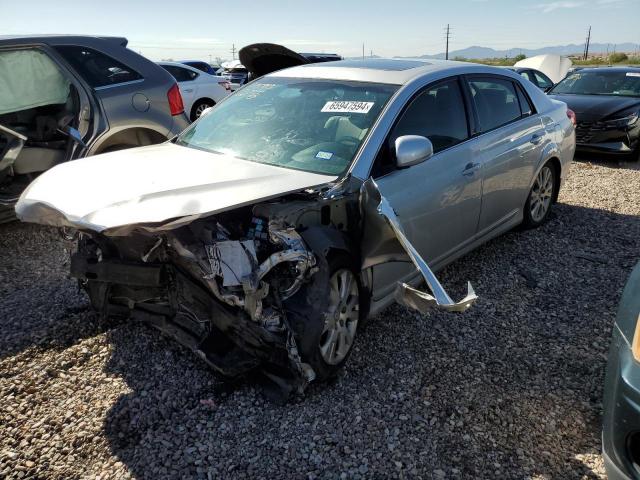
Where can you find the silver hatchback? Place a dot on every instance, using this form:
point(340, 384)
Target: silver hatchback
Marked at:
point(267, 232)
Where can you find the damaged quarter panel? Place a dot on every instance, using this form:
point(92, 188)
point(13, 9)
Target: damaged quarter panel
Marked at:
point(266, 234)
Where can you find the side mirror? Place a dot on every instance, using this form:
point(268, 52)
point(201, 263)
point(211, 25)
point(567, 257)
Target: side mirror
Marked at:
point(412, 149)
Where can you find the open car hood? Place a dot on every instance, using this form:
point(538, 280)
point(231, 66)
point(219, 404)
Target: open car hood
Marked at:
point(153, 185)
point(263, 58)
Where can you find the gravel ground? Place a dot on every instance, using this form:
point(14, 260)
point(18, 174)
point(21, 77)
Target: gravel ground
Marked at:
point(510, 389)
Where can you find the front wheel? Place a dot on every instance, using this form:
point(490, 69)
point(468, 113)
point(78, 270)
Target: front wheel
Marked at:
point(327, 316)
point(543, 191)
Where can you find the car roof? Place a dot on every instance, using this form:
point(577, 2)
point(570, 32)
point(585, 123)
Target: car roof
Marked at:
point(394, 71)
point(609, 69)
point(55, 38)
point(181, 65)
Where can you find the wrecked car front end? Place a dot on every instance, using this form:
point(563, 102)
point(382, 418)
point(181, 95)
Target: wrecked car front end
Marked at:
point(227, 286)
point(224, 285)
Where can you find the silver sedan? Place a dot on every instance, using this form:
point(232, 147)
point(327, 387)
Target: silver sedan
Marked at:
point(267, 232)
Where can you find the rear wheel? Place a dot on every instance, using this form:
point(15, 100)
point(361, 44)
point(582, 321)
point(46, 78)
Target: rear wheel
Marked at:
point(543, 191)
point(199, 107)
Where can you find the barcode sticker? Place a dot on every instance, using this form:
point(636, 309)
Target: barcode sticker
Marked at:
point(347, 107)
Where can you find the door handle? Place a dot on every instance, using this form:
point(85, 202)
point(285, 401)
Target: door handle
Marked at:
point(536, 139)
point(188, 90)
point(470, 169)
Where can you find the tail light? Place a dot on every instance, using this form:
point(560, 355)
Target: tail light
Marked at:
point(226, 85)
point(572, 116)
point(175, 100)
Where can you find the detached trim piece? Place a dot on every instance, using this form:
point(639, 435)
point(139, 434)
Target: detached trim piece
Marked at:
point(405, 294)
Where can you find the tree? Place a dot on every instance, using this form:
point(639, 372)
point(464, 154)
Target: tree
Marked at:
point(520, 56)
point(618, 57)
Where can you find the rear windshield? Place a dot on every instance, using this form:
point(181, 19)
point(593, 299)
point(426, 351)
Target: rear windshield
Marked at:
point(311, 125)
point(601, 82)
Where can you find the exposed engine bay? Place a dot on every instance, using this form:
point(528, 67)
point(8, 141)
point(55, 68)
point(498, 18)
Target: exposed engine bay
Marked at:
point(240, 288)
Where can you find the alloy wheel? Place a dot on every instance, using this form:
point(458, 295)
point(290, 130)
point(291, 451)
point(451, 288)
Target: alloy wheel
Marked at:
point(341, 320)
point(201, 108)
point(541, 194)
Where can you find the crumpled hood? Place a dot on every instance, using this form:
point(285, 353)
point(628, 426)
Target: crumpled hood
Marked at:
point(591, 108)
point(150, 185)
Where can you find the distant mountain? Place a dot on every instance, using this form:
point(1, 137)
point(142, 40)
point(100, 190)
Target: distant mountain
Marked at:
point(485, 52)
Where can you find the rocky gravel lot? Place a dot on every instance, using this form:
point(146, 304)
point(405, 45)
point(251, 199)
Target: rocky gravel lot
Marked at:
point(510, 389)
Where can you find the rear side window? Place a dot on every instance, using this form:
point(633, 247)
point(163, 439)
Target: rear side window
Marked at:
point(543, 82)
point(98, 69)
point(527, 74)
point(180, 74)
point(525, 104)
point(437, 113)
point(496, 102)
point(203, 67)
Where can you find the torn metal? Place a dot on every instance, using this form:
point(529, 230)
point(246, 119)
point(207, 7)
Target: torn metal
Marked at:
point(405, 294)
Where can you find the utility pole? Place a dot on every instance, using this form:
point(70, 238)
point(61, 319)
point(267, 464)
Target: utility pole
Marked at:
point(371, 53)
point(586, 46)
point(363, 51)
point(233, 51)
point(448, 35)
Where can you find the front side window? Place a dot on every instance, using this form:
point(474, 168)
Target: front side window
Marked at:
point(98, 69)
point(180, 74)
point(437, 113)
point(600, 82)
point(303, 124)
point(496, 102)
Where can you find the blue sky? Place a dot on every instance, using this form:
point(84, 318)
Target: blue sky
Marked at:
point(198, 28)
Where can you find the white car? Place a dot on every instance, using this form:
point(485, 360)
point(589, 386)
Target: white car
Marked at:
point(199, 89)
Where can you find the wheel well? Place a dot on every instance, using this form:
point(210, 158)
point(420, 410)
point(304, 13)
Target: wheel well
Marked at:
point(555, 163)
point(200, 100)
point(132, 137)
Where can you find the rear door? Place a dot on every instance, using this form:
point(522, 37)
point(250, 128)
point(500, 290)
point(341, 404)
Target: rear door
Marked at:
point(438, 201)
point(508, 146)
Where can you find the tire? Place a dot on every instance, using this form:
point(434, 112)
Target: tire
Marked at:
point(199, 107)
point(541, 197)
point(315, 320)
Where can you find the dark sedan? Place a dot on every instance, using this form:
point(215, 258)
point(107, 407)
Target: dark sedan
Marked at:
point(606, 102)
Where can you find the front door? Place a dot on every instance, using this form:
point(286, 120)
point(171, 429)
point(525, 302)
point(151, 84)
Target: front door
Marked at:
point(438, 201)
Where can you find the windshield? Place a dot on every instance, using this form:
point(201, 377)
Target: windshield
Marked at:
point(312, 125)
point(603, 82)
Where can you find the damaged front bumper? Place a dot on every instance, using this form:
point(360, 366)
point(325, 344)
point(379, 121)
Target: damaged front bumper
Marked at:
point(226, 287)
